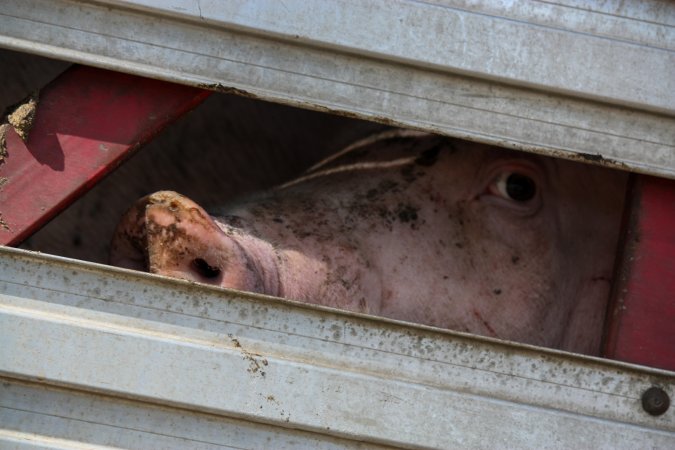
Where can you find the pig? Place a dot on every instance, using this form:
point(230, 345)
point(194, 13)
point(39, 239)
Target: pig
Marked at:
point(410, 226)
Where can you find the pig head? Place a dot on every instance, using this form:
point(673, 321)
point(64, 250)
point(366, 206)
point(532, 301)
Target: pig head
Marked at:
point(409, 226)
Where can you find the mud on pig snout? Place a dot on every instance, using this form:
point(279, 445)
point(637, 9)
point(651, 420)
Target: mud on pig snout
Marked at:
point(169, 234)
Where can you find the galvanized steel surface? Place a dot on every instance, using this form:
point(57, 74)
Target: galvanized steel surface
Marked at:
point(579, 79)
point(98, 355)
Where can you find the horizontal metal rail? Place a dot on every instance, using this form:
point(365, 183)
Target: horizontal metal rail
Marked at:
point(576, 79)
point(116, 358)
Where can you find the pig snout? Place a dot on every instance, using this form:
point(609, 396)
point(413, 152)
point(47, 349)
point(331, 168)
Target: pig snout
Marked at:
point(168, 234)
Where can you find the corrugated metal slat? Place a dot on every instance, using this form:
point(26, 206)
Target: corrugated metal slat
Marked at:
point(89, 332)
point(561, 79)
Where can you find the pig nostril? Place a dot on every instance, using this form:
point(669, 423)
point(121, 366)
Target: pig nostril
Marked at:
point(205, 269)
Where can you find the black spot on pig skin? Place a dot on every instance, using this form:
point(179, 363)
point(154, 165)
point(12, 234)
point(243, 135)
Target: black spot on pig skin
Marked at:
point(428, 157)
point(408, 175)
point(407, 213)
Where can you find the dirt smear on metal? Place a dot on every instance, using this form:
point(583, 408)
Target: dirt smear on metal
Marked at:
point(256, 361)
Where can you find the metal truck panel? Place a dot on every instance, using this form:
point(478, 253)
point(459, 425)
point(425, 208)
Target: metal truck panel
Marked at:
point(571, 79)
point(126, 352)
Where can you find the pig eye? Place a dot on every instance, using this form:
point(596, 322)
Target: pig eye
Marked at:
point(516, 186)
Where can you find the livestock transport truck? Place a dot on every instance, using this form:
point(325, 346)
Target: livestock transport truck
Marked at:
point(93, 356)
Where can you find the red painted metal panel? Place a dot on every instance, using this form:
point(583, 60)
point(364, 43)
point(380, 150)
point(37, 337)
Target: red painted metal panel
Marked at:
point(641, 320)
point(87, 121)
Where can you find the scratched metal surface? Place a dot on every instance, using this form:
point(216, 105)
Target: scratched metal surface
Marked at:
point(579, 79)
point(98, 356)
